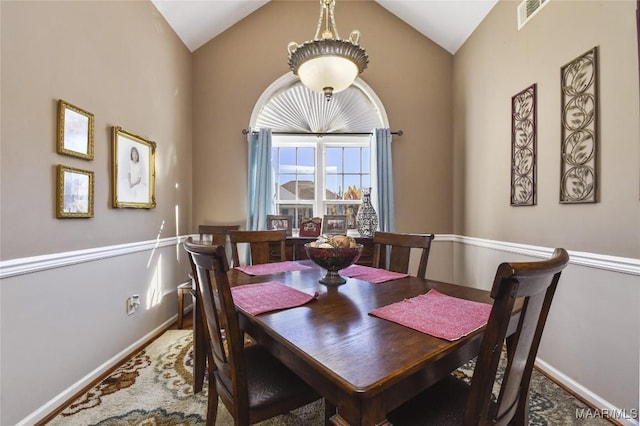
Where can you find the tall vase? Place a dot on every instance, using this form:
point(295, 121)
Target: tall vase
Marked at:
point(367, 218)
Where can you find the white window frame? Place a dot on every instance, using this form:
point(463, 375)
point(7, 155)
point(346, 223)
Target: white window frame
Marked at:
point(320, 142)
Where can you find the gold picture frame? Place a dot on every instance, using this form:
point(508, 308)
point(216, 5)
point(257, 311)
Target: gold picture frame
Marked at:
point(75, 131)
point(74, 192)
point(133, 178)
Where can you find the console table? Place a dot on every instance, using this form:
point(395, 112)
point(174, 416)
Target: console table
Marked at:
point(294, 247)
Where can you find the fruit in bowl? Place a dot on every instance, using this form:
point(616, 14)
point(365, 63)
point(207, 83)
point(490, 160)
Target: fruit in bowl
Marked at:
point(333, 254)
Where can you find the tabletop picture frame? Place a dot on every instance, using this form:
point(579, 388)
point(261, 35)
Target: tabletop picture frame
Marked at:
point(75, 131)
point(334, 224)
point(74, 192)
point(280, 223)
point(133, 170)
point(310, 226)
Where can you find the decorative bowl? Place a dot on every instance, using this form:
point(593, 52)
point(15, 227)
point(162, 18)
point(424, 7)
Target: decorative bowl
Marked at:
point(333, 259)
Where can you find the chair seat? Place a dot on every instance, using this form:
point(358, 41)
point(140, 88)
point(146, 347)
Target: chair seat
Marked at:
point(442, 404)
point(271, 383)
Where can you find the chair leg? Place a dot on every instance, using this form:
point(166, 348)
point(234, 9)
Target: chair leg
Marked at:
point(180, 307)
point(212, 401)
point(329, 411)
point(199, 347)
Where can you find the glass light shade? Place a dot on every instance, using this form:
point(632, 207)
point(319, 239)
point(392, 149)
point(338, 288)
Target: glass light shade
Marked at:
point(331, 71)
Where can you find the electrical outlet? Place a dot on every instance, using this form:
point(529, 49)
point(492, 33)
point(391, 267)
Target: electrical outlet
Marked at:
point(132, 304)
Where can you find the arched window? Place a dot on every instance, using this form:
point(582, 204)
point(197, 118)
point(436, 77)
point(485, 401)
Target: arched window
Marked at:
point(321, 153)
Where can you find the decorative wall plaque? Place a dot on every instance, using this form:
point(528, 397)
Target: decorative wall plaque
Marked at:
point(579, 159)
point(523, 147)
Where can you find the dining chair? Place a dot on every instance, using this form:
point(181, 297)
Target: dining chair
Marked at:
point(211, 234)
point(251, 383)
point(393, 250)
point(260, 246)
point(208, 234)
point(453, 402)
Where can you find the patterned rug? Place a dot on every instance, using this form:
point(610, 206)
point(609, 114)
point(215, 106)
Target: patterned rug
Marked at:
point(155, 388)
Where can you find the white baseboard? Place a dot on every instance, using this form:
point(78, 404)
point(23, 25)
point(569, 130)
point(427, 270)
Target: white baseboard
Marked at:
point(72, 390)
point(602, 407)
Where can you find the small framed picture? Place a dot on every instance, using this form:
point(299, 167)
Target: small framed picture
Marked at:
point(74, 192)
point(280, 223)
point(75, 131)
point(310, 227)
point(334, 224)
point(133, 174)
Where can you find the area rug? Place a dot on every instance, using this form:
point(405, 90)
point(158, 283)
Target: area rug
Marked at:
point(155, 388)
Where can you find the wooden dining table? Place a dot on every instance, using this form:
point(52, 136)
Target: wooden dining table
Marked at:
point(363, 365)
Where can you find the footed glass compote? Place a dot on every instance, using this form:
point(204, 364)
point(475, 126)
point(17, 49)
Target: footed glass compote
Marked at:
point(333, 259)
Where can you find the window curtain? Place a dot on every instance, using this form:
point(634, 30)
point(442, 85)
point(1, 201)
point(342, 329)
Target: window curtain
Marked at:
point(260, 200)
point(383, 192)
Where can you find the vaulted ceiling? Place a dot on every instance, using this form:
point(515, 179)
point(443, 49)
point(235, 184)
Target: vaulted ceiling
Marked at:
point(447, 22)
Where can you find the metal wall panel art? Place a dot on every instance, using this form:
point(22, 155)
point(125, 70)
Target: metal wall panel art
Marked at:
point(523, 147)
point(579, 159)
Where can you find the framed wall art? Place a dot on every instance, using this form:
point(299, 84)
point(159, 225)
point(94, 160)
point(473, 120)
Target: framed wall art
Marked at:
point(280, 223)
point(523, 147)
point(74, 192)
point(133, 170)
point(334, 224)
point(579, 149)
point(75, 131)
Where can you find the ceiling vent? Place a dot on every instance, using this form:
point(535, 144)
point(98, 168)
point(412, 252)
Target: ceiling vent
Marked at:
point(528, 9)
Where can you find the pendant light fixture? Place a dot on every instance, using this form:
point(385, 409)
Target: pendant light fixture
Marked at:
point(328, 64)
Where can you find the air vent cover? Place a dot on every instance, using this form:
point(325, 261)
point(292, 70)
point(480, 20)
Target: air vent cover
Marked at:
point(528, 9)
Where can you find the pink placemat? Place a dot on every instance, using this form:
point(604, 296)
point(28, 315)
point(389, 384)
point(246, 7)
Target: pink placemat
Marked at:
point(270, 296)
point(437, 314)
point(272, 268)
point(373, 275)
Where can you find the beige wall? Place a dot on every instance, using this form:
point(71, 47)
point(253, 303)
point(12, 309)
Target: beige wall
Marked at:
point(122, 62)
point(496, 63)
point(119, 61)
point(409, 73)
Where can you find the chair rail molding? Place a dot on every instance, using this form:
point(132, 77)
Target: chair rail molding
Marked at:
point(623, 265)
point(27, 265)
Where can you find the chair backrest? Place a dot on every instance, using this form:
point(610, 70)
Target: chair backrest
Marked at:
point(260, 243)
point(217, 235)
point(536, 283)
point(220, 314)
point(396, 249)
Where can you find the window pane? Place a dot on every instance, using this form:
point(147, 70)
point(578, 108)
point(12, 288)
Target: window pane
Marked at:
point(306, 188)
point(352, 160)
point(333, 186)
point(333, 160)
point(297, 211)
point(352, 182)
point(366, 160)
point(306, 160)
point(351, 211)
point(287, 187)
point(366, 181)
point(286, 160)
point(352, 193)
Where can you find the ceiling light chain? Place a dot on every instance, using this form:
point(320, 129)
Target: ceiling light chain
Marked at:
point(328, 64)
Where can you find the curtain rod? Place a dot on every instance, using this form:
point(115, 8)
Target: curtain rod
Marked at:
point(246, 131)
